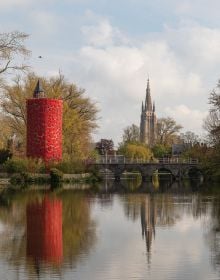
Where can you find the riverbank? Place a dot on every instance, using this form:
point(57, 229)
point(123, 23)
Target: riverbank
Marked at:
point(42, 178)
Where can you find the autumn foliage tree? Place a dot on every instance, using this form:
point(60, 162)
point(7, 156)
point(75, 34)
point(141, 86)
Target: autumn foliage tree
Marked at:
point(135, 151)
point(79, 112)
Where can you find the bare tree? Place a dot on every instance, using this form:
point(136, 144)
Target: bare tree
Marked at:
point(189, 137)
point(212, 122)
point(131, 134)
point(105, 146)
point(12, 50)
point(167, 129)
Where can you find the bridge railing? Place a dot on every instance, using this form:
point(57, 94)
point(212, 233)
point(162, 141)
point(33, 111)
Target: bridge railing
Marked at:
point(124, 160)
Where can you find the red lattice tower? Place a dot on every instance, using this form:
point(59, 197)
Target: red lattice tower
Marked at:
point(44, 127)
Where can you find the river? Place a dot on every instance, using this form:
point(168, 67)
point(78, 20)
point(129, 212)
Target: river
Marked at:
point(111, 231)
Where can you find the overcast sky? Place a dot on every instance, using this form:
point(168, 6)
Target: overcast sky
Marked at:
point(110, 47)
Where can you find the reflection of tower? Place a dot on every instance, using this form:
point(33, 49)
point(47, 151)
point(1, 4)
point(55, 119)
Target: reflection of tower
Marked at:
point(44, 126)
point(44, 231)
point(148, 220)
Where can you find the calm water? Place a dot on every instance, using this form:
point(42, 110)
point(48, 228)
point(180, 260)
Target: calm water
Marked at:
point(111, 232)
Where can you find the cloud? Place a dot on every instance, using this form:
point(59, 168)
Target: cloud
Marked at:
point(114, 72)
point(12, 3)
point(101, 35)
point(199, 9)
point(189, 118)
point(45, 22)
point(182, 63)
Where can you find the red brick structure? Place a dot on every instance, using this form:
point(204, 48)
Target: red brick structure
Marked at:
point(44, 127)
point(44, 231)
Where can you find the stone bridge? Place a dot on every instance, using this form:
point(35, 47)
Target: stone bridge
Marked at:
point(177, 167)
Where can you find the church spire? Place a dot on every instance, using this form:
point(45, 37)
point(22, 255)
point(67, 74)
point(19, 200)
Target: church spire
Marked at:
point(142, 107)
point(148, 103)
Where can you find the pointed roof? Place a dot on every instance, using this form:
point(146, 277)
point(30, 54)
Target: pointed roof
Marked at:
point(38, 92)
point(148, 102)
point(142, 107)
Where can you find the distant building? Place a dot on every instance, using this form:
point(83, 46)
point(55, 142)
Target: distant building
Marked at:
point(178, 149)
point(148, 124)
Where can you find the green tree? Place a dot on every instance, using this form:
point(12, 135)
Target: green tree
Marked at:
point(161, 150)
point(79, 112)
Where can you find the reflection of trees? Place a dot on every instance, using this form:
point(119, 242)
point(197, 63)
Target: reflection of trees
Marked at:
point(78, 228)
point(213, 233)
point(78, 231)
point(105, 200)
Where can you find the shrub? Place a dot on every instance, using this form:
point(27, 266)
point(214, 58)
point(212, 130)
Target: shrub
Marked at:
point(19, 165)
point(22, 178)
point(71, 167)
point(16, 179)
point(5, 154)
point(56, 176)
point(15, 166)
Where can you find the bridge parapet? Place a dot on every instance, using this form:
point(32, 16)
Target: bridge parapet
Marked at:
point(124, 160)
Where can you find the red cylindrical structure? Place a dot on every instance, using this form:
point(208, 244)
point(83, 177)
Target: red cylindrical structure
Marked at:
point(44, 128)
point(44, 231)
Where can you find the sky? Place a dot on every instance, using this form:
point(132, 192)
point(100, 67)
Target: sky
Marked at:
point(109, 48)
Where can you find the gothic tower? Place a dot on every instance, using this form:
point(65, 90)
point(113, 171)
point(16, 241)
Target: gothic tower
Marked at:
point(148, 125)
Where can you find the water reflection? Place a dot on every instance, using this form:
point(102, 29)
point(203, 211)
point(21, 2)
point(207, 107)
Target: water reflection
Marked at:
point(158, 184)
point(53, 235)
point(44, 231)
point(148, 221)
point(45, 234)
point(79, 229)
point(153, 210)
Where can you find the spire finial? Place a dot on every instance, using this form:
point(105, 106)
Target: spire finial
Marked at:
point(148, 79)
point(38, 91)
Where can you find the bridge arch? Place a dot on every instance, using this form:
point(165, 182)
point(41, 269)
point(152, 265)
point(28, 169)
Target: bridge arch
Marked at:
point(194, 172)
point(164, 172)
point(175, 167)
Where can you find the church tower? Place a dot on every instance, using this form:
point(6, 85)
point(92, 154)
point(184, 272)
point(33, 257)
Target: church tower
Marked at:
point(148, 125)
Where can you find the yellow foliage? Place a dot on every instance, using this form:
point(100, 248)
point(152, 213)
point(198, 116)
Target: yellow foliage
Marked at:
point(79, 113)
point(136, 151)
